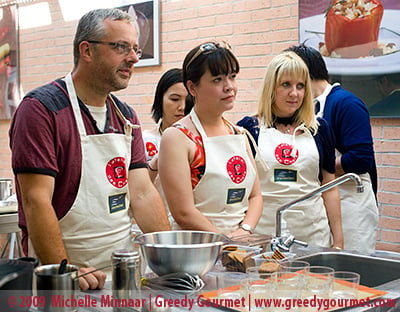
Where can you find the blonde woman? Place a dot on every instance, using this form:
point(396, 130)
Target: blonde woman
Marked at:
point(298, 151)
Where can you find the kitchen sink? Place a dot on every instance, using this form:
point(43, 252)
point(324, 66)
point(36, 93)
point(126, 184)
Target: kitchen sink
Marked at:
point(373, 271)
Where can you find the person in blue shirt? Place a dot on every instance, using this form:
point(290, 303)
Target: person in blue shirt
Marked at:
point(389, 106)
point(349, 119)
point(295, 155)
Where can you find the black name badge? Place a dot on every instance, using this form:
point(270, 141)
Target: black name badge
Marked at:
point(235, 195)
point(116, 203)
point(285, 175)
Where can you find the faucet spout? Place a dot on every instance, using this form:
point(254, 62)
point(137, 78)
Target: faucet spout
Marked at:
point(323, 188)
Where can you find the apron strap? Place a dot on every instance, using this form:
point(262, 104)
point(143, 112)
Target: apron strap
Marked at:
point(199, 127)
point(300, 127)
point(128, 126)
point(197, 123)
point(258, 157)
point(75, 105)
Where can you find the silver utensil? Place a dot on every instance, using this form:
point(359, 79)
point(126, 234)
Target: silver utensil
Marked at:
point(178, 282)
point(75, 274)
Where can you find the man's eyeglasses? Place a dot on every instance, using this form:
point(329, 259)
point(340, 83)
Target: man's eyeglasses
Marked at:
point(120, 48)
point(208, 48)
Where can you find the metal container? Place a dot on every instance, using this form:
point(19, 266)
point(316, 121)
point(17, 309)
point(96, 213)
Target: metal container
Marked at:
point(15, 282)
point(56, 288)
point(126, 267)
point(262, 241)
point(5, 188)
point(194, 252)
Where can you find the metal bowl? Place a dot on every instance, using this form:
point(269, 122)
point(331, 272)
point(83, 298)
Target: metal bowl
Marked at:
point(193, 252)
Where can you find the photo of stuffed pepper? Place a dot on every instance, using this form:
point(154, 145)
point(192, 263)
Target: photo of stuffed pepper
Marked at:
point(352, 27)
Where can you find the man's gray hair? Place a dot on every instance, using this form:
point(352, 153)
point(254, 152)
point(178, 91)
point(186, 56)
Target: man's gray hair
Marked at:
point(91, 26)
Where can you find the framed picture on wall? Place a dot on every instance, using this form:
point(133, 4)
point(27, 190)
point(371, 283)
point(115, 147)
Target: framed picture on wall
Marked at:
point(9, 70)
point(147, 17)
point(360, 46)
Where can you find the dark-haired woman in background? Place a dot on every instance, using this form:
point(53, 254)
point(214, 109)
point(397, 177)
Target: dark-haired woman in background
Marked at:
point(206, 168)
point(168, 107)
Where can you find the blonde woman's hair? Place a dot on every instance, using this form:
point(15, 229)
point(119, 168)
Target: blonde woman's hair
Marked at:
point(286, 63)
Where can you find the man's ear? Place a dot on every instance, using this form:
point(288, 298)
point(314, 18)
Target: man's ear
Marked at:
point(86, 51)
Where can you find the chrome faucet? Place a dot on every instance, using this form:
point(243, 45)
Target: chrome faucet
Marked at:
point(278, 241)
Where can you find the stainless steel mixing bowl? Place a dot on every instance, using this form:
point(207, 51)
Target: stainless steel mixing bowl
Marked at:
point(193, 252)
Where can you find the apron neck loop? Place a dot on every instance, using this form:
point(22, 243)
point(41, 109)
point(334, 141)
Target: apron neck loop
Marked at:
point(300, 127)
point(199, 126)
point(197, 123)
point(75, 105)
point(159, 130)
point(128, 126)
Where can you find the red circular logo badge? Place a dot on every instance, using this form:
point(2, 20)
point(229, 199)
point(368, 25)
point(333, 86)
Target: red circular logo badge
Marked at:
point(116, 172)
point(151, 149)
point(282, 154)
point(237, 169)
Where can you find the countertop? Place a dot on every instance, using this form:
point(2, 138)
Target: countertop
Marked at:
point(101, 300)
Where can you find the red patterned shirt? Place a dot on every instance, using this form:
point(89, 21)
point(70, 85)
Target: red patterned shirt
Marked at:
point(198, 165)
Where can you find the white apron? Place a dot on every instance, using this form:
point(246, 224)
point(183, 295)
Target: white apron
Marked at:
point(151, 142)
point(360, 215)
point(293, 167)
point(223, 191)
point(152, 146)
point(98, 222)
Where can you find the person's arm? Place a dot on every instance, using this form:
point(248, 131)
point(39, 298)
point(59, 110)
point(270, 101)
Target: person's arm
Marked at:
point(254, 211)
point(42, 223)
point(353, 139)
point(332, 206)
point(43, 227)
point(152, 165)
point(174, 170)
point(145, 202)
point(339, 168)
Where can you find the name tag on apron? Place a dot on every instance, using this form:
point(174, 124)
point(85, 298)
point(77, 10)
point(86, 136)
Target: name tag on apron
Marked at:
point(235, 195)
point(285, 175)
point(116, 203)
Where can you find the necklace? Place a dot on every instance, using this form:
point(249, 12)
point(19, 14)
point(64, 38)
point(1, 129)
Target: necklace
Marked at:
point(283, 120)
point(285, 130)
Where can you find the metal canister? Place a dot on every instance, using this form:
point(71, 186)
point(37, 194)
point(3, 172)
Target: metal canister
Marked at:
point(126, 275)
point(5, 188)
point(54, 287)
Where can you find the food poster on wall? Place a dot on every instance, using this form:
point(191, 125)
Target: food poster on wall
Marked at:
point(9, 80)
point(360, 43)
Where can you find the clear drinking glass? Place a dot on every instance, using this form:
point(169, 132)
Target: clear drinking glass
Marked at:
point(229, 285)
point(345, 285)
point(319, 282)
point(258, 288)
point(287, 288)
point(298, 266)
